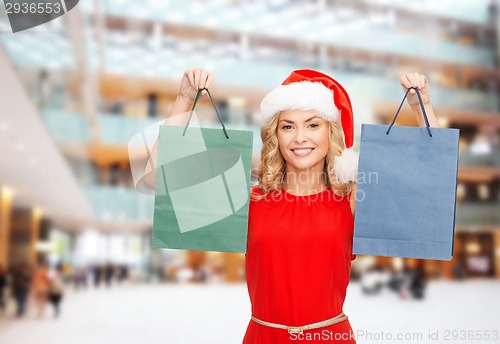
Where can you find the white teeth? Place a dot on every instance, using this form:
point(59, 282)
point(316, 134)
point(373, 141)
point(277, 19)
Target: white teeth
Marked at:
point(302, 151)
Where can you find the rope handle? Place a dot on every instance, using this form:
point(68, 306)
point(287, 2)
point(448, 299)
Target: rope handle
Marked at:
point(217, 112)
point(421, 105)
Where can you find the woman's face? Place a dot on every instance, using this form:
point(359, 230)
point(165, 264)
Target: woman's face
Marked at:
point(303, 139)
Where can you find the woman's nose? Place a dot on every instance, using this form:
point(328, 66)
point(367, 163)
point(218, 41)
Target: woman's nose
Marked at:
point(300, 137)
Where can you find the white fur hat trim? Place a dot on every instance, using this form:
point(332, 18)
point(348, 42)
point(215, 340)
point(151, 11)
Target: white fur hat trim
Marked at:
point(345, 166)
point(305, 95)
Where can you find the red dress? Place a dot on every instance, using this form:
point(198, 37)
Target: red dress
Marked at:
point(298, 264)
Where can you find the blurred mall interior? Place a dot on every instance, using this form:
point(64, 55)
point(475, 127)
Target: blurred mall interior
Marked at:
point(75, 90)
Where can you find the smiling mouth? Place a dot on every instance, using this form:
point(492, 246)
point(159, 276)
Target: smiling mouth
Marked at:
point(302, 151)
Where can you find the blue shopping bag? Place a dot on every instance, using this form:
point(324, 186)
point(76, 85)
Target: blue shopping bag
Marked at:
point(406, 190)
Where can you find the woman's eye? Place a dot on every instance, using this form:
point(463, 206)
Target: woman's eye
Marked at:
point(313, 125)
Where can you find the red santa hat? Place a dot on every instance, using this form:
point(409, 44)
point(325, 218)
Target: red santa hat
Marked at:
point(308, 89)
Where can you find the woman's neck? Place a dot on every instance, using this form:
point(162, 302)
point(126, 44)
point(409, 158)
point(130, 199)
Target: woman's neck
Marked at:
point(304, 182)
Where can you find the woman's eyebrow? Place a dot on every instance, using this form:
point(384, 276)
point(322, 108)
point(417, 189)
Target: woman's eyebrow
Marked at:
point(307, 120)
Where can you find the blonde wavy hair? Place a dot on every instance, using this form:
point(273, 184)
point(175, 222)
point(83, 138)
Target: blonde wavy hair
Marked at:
point(273, 166)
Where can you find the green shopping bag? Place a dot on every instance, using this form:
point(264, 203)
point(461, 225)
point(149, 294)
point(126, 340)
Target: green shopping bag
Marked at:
point(202, 187)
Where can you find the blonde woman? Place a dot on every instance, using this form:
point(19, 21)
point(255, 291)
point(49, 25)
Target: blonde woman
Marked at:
point(301, 222)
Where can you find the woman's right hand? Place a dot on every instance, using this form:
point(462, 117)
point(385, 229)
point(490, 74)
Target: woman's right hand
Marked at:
point(193, 80)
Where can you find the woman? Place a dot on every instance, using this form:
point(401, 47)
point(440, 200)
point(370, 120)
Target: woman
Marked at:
point(301, 213)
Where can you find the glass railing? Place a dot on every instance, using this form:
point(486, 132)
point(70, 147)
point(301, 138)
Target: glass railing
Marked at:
point(120, 129)
point(55, 51)
point(115, 128)
point(378, 88)
point(75, 126)
point(485, 159)
point(120, 203)
point(470, 11)
point(477, 214)
point(465, 10)
point(67, 125)
point(359, 82)
point(357, 31)
point(125, 204)
point(366, 82)
point(43, 49)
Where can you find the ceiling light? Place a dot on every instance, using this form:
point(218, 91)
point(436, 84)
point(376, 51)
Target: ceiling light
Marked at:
point(7, 192)
point(443, 122)
point(44, 246)
point(37, 211)
point(483, 191)
point(473, 247)
point(480, 147)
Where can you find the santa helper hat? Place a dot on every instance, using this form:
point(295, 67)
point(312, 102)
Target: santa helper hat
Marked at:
point(308, 89)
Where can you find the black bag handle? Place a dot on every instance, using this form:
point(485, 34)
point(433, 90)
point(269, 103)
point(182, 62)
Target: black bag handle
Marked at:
point(217, 112)
point(421, 105)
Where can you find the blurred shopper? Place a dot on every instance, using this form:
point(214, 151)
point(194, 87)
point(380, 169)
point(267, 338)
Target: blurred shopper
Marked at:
point(67, 272)
point(459, 273)
point(417, 284)
point(124, 272)
point(108, 274)
point(45, 88)
point(56, 289)
point(97, 273)
point(121, 273)
point(372, 281)
point(396, 281)
point(80, 277)
point(85, 275)
point(199, 274)
point(41, 284)
point(3, 286)
point(21, 283)
point(405, 281)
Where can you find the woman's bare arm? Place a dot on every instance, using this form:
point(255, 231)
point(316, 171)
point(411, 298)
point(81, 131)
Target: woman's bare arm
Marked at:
point(352, 200)
point(178, 115)
point(193, 80)
point(429, 111)
point(420, 82)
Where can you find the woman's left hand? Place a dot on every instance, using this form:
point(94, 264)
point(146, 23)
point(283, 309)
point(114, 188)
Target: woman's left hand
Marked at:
point(418, 81)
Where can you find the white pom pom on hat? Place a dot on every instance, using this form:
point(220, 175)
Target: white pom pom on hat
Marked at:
point(308, 89)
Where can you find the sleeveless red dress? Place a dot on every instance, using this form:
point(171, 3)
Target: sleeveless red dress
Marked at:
point(298, 264)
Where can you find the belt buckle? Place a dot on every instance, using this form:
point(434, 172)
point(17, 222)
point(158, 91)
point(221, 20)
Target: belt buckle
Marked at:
point(295, 330)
